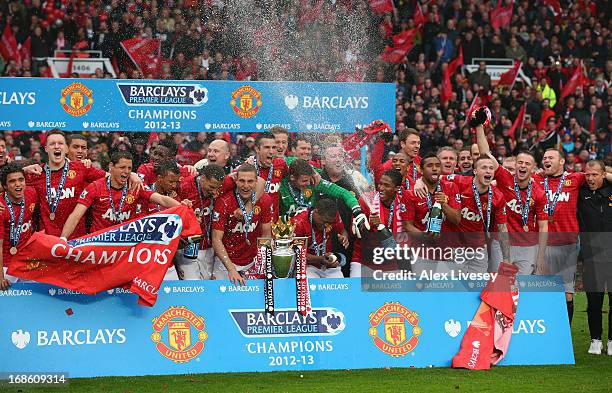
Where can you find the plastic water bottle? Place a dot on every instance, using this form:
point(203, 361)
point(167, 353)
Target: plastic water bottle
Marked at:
point(193, 247)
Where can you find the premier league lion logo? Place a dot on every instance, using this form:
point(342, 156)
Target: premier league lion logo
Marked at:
point(170, 229)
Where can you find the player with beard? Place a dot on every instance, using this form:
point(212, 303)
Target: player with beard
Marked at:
point(111, 200)
point(410, 142)
point(465, 162)
point(18, 203)
point(77, 147)
point(387, 213)
point(218, 154)
point(235, 239)
point(562, 189)
point(165, 150)
point(417, 210)
point(448, 159)
point(317, 224)
point(297, 193)
point(201, 190)
point(526, 213)
point(59, 182)
point(483, 207)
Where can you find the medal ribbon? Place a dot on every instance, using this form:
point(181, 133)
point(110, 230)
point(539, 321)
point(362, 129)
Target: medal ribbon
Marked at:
point(298, 197)
point(552, 203)
point(429, 200)
point(486, 223)
point(54, 202)
point(248, 217)
point(121, 201)
point(269, 179)
point(524, 207)
point(320, 249)
point(15, 231)
point(264, 256)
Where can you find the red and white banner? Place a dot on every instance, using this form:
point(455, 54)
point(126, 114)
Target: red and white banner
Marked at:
point(487, 338)
point(134, 255)
point(8, 46)
point(145, 53)
point(501, 16)
point(509, 77)
point(381, 6)
point(354, 142)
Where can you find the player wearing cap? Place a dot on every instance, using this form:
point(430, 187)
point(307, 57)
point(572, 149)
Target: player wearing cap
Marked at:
point(526, 213)
point(234, 239)
point(317, 224)
point(111, 200)
point(18, 203)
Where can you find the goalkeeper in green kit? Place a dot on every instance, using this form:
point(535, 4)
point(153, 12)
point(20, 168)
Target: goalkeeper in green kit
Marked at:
point(297, 193)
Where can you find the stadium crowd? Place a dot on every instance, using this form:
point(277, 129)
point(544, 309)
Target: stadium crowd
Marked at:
point(434, 156)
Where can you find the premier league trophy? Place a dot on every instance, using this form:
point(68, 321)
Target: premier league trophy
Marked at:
point(284, 256)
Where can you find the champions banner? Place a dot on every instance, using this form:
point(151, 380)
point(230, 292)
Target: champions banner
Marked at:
point(204, 326)
point(192, 106)
point(134, 255)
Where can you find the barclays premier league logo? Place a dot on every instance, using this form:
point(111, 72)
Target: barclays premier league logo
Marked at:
point(286, 323)
point(154, 229)
point(163, 94)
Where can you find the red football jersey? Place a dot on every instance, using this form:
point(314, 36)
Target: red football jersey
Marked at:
point(537, 209)
point(234, 231)
point(147, 171)
point(31, 200)
point(564, 227)
point(97, 196)
point(280, 169)
point(417, 210)
point(304, 229)
point(472, 224)
point(77, 179)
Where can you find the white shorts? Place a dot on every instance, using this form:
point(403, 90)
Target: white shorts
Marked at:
point(195, 269)
point(220, 271)
point(359, 270)
point(9, 278)
point(524, 257)
point(480, 265)
point(561, 261)
point(496, 256)
point(315, 272)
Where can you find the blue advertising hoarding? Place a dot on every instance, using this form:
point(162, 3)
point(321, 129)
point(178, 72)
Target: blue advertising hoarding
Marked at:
point(191, 106)
point(213, 326)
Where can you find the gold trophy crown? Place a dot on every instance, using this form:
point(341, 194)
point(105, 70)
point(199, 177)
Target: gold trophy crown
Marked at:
point(283, 229)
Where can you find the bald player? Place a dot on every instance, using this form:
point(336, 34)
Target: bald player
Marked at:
point(218, 154)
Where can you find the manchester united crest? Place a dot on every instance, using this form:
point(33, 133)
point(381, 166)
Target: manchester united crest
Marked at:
point(179, 334)
point(308, 193)
point(246, 101)
point(71, 174)
point(76, 99)
point(395, 329)
point(130, 199)
point(256, 210)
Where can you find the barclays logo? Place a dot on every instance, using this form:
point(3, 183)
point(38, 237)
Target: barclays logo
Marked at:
point(286, 323)
point(163, 94)
point(155, 229)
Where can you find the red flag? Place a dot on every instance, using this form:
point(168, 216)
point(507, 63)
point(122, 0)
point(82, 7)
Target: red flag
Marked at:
point(487, 338)
point(577, 80)
point(382, 6)
point(418, 17)
point(134, 255)
point(501, 16)
point(509, 77)
point(8, 46)
point(25, 50)
point(451, 69)
point(396, 54)
point(405, 36)
point(354, 142)
point(145, 53)
point(518, 122)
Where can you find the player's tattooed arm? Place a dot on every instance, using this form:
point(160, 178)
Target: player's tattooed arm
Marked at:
point(504, 241)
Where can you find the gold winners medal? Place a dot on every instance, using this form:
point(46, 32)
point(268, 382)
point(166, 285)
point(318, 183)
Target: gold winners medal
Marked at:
point(52, 216)
point(13, 250)
point(526, 228)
